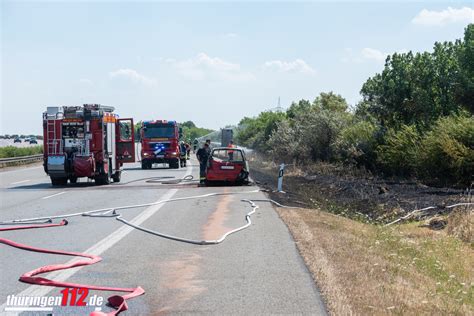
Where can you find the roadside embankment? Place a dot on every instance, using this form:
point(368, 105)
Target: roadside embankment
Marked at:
point(364, 267)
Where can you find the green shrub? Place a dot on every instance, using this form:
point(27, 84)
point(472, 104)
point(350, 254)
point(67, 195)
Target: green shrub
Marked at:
point(399, 154)
point(12, 151)
point(357, 144)
point(255, 132)
point(320, 130)
point(284, 143)
point(447, 154)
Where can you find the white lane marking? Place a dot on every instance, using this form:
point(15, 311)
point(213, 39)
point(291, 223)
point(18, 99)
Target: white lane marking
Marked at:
point(22, 169)
point(100, 247)
point(18, 182)
point(97, 249)
point(50, 196)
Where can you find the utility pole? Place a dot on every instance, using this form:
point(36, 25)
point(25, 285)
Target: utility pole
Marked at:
point(278, 108)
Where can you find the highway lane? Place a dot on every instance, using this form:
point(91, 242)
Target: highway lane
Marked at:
point(256, 271)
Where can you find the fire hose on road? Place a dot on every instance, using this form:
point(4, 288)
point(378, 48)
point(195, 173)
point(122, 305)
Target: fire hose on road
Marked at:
point(117, 302)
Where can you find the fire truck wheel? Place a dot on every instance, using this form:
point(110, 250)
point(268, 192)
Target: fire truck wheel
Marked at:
point(103, 179)
point(174, 164)
point(58, 181)
point(73, 179)
point(117, 176)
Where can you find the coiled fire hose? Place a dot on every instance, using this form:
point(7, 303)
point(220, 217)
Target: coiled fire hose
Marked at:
point(118, 302)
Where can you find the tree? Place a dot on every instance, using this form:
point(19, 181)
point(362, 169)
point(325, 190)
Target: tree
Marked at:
point(188, 124)
point(331, 102)
point(191, 131)
point(417, 89)
point(255, 132)
point(302, 106)
point(465, 89)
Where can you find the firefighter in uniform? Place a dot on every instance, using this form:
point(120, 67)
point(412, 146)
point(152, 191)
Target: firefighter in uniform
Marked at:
point(231, 152)
point(203, 156)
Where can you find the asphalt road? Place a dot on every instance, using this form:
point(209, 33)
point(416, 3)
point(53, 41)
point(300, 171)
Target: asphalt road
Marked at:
point(254, 272)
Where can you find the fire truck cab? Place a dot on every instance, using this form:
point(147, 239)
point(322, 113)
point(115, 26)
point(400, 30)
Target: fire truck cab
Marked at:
point(86, 141)
point(160, 143)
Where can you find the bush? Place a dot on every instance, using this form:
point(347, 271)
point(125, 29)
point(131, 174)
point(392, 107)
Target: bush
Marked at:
point(283, 143)
point(255, 132)
point(399, 154)
point(320, 130)
point(447, 154)
point(12, 151)
point(357, 144)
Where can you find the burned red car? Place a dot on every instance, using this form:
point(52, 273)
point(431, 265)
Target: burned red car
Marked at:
point(227, 165)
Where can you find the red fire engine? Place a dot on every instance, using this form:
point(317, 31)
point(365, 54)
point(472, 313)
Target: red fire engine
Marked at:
point(86, 141)
point(160, 143)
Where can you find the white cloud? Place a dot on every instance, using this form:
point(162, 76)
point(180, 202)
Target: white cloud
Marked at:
point(374, 54)
point(297, 65)
point(367, 54)
point(132, 75)
point(202, 67)
point(440, 18)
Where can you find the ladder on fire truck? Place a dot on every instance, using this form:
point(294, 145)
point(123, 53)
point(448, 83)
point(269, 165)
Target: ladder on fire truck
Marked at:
point(54, 143)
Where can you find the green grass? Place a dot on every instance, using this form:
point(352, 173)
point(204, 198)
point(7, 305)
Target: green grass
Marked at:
point(12, 151)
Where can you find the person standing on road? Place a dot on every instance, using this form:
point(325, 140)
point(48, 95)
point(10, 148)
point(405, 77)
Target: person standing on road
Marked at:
point(203, 156)
point(208, 141)
point(188, 150)
point(231, 152)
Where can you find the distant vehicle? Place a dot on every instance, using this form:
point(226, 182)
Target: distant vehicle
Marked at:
point(33, 141)
point(27, 139)
point(160, 143)
point(227, 165)
point(227, 134)
point(17, 140)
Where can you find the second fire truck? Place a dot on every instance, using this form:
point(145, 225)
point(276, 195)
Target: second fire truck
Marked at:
point(160, 143)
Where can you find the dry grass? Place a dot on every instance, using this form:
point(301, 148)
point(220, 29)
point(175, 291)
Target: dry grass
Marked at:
point(461, 224)
point(364, 269)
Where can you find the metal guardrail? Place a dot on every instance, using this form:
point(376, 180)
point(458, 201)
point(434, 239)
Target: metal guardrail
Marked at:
point(19, 160)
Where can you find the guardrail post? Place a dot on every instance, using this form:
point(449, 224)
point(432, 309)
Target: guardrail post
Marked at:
point(280, 178)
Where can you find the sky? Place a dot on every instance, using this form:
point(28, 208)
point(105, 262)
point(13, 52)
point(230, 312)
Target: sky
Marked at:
point(209, 62)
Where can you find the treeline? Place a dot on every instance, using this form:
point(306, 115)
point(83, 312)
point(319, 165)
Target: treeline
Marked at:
point(191, 131)
point(415, 120)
